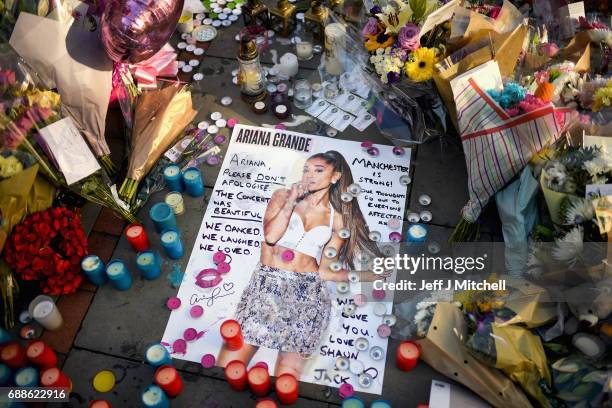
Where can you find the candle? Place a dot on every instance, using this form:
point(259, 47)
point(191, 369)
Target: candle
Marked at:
point(44, 311)
point(304, 50)
point(54, 378)
point(6, 375)
point(175, 200)
point(232, 335)
point(157, 355)
point(417, 233)
point(193, 182)
point(288, 65)
point(119, 275)
point(287, 389)
point(148, 264)
point(236, 375)
point(281, 111)
point(266, 403)
point(173, 178)
point(335, 37)
point(353, 402)
point(259, 381)
point(163, 217)
point(407, 355)
point(172, 244)
point(26, 377)
point(137, 237)
point(185, 22)
point(260, 107)
point(380, 404)
point(5, 336)
point(154, 397)
point(41, 354)
point(99, 404)
point(93, 267)
point(169, 380)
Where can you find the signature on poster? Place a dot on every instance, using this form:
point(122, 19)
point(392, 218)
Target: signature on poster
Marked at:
point(226, 289)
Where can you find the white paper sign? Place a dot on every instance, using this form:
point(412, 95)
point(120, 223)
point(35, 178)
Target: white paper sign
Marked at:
point(604, 142)
point(255, 165)
point(445, 395)
point(568, 18)
point(598, 190)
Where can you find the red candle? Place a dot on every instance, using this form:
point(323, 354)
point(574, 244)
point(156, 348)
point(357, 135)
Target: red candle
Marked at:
point(259, 381)
point(407, 355)
point(169, 380)
point(137, 237)
point(287, 389)
point(41, 354)
point(13, 355)
point(54, 378)
point(232, 335)
point(99, 404)
point(266, 403)
point(236, 374)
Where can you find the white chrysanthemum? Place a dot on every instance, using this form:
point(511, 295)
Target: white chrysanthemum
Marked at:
point(569, 248)
point(535, 267)
point(601, 164)
point(579, 211)
point(601, 36)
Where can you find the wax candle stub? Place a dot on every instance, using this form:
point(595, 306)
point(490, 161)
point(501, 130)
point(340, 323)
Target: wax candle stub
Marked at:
point(259, 381)
point(169, 380)
point(93, 267)
point(175, 200)
point(232, 334)
point(39, 353)
point(173, 303)
point(154, 397)
point(157, 355)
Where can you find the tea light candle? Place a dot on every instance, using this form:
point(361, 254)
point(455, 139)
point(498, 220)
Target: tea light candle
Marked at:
point(193, 182)
point(232, 335)
point(99, 404)
point(93, 267)
point(304, 50)
point(407, 355)
point(266, 403)
point(175, 200)
point(6, 375)
point(236, 375)
point(171, 241)
point(119, 275)
point(287, 389)
point(26, 377)
point(260, 107)
point(13, 355)
point(137, 237)
point(54, 378)
point(148, 264)
point(281, 111)
point(157, 355)
point(169, 380)
point(39, 353)
point(259, 381)
point(44, 311)
point(173, 178)
point(353, 402)
point(417, 233)
point(154, 397)
point(163, 217)
point(380, 404)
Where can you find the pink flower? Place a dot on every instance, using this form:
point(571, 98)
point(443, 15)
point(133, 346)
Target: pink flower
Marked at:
point(541, 77)
point(7, 78)
point(25, 124)
point(514, 111)
point(408, 37)
point(549, 49)
point(531, 103)
point(494, 13)
point(584, 119)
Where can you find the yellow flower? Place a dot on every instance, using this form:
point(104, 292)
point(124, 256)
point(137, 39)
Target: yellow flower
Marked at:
point(421, 66)
point(45, 99)
point(9, 166)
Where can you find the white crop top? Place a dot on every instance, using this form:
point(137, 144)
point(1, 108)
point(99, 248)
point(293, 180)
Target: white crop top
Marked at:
point(309, 242)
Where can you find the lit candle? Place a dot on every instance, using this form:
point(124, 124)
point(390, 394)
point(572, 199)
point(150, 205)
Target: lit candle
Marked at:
point(119, 275)
point(44, 311)
point(26, 377)
point(232, 335)
point(259, 381)
point(417, 233)
point(6, 375)
point(154, 397)
point(137, 237)
point(175, 200)
point(172, 244)
point(157, 355)
point(148, 264)
point(266, 403)
point(380, 404)
point(163, 217)
point(173, 178)
point(41, 354)
point(93, 267)
point(193, 182)
point(353, 402)
point(169, 380)
point(287, 389)
point(99, 404)
point(54, 378)
point(407, 355)
point(236, 375)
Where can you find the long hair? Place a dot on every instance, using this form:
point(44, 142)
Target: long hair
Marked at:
point(352, 218)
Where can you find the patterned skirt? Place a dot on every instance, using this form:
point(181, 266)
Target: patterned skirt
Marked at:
point(284, 310)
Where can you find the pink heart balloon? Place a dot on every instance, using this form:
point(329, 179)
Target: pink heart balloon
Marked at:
point(134, 30)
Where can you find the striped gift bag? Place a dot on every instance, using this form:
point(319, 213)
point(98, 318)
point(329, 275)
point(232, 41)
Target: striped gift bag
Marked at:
point(496, 146)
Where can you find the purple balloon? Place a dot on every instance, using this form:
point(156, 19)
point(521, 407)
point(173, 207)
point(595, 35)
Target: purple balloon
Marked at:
point(134, 30)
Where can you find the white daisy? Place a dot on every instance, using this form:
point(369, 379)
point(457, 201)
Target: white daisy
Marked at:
point(569, 248)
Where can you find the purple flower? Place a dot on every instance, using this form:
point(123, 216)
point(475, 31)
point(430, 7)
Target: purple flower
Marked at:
point(370, 28)
point(393, 77)
point(375, 10)
point(400, 53)
point(408, 37)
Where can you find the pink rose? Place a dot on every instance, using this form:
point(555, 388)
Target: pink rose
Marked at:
point(549, 49)
point(408, 37)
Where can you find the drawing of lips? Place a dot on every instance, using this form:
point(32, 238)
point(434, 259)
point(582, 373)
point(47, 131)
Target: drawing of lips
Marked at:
point(205, 276)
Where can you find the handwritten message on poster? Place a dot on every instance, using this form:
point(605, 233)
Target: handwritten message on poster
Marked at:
point(258, 162)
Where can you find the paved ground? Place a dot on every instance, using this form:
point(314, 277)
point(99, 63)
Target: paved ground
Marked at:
point(107, 329)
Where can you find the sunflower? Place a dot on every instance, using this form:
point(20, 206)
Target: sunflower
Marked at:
point(420, 67)
point(381, 40)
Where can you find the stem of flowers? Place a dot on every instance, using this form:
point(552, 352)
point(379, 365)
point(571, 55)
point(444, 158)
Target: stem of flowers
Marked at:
point(128, 190)
point(465, 231)
point(107, 164)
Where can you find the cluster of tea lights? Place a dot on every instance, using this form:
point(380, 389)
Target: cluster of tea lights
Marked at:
point(167, 382)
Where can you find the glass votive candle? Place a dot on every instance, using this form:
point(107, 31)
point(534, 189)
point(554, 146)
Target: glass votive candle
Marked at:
point(192, 178)
point(173, 178)
point(154, 397)
point(303, 50)
point(148, 264)
point(93, 267)
point(45, 312)
point(302, 94)
point(162, 216)
point(119, 275)
point(172, 244)
point(175, 200)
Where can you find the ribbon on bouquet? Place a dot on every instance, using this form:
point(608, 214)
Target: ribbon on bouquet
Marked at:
point(162, 64)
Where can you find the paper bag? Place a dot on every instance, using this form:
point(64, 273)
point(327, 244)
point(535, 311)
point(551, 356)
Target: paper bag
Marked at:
point(503, 48)
point(578, 50)
point(443, 350)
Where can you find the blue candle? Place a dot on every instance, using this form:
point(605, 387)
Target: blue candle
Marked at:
point(192, 178)
point(416, 233)
point(5, 375)
point(163, 217)
point(93, 267)
point(154, 397)
point(26, 377)
point(171, 241)
point(148, 264)
point(157, 355)
point(352, 402)
point(5, 336)
point(173, 178)
point(118, 274)
point(380, 404)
